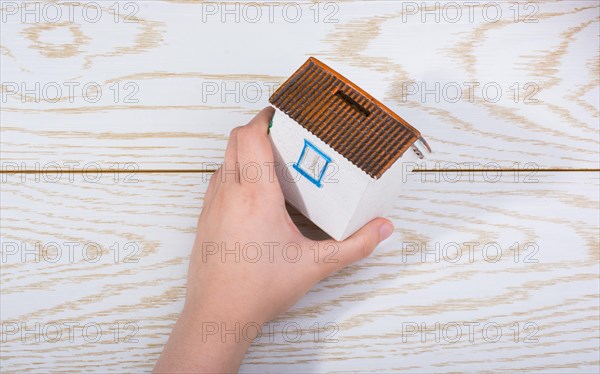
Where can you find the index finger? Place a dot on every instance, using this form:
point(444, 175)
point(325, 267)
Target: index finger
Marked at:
point(254, 150)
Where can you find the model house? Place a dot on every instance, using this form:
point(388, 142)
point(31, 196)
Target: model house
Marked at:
point(341, 152)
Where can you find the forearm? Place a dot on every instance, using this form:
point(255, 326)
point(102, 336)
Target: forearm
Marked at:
point(206, 341)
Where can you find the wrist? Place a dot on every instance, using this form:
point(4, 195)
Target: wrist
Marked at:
point(221, 310)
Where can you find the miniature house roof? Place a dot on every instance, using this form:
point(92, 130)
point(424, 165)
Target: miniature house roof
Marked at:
point(352, 122)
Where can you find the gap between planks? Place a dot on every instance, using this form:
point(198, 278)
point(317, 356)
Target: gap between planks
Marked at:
point(192, 171)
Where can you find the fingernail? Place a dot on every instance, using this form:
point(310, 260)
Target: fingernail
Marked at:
point(385, 231)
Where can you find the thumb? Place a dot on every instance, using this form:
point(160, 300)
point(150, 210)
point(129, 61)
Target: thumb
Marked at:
point(358, 246)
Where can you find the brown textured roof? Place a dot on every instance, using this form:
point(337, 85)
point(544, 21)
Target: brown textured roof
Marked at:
point(351, 121)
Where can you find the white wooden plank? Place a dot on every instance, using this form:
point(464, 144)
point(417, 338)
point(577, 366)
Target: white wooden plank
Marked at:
point(175, 54)
point(550, 295)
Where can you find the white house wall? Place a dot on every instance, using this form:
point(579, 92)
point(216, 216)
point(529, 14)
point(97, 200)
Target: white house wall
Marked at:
point(331, 206)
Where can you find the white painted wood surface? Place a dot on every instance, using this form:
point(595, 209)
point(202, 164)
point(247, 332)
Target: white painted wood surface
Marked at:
point(370, 302)
point(172, 60)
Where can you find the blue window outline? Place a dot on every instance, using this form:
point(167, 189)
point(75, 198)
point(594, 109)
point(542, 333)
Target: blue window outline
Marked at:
point(316, 182)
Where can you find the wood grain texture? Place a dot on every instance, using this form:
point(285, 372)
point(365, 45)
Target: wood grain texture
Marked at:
point(554, 288)
point(175, 78)
point(158, 73)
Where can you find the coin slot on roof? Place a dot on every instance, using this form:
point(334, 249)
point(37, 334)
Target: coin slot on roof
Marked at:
point(351, 102)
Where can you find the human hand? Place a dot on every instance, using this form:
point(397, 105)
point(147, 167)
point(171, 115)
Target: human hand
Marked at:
point(250, 263)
